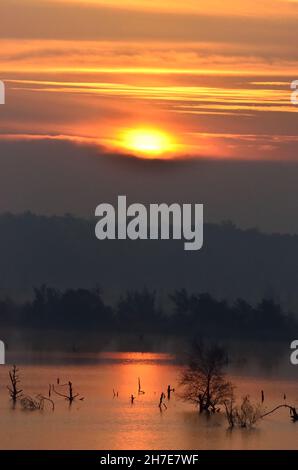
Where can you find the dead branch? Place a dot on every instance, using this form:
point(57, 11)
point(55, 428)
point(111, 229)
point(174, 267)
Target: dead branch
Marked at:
point(43, 399)
point(30, 404)
point(293, 412)
point(70, 397)
point(14, 392)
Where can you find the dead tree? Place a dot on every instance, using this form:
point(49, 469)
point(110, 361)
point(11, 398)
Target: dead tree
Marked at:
point(32, 404)
point(44, 399)
point(70, 397)
point(293, 412)
point(230, 412)
point(247, 414)
point(140, 391)
point(161, 402)
point(13, 389)
point(169, 391)
point(204, 381)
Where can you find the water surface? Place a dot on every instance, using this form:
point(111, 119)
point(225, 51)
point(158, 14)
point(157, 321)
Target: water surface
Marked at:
point(102, 422)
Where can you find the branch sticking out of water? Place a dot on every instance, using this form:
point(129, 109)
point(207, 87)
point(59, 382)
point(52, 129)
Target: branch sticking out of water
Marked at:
point(31, 404)
point(70, 396)
point(14, 391)
point(293, 412)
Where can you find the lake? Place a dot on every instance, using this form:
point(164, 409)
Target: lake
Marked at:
point(104, 422)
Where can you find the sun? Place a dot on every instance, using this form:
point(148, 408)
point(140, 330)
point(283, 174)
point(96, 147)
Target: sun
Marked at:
point(146, 142)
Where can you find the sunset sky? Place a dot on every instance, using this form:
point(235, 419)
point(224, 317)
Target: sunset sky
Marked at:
point(202, 85)
point(213, 76)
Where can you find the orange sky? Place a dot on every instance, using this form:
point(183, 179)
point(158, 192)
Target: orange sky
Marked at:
point(216, 75)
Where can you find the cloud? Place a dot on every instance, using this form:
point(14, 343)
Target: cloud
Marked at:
point(72, 21)
point(261, 113)
point(86, 71)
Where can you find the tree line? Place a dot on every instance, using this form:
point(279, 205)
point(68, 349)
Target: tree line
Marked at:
point(143, 312)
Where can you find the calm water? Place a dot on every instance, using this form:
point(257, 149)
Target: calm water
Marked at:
point(104, 422)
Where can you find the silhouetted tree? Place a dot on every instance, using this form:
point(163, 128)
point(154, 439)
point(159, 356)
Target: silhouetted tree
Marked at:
point(203, 380)
point(137, 309)
point(196, 314)
point(81, 309)
point(13, 389)
point(245, 415)
point(70, 396)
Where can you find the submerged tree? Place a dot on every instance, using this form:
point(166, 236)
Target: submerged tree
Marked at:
point(203, 381)
point(13, 389)
point(244, 416)
point(70, 397)
point(31, 404)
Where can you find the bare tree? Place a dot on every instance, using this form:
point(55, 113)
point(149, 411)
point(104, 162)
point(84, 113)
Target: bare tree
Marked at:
point(203, 381)
point(31, 404)
point(244, 416)
point(70, 396)
point(230, 412)
point(248, 413)
point(13, 389)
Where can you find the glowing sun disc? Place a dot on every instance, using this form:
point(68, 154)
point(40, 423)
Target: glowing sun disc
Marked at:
point(147, 142)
